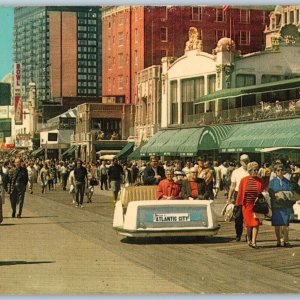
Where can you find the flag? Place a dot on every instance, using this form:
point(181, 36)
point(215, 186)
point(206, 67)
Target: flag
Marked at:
point(226, 7)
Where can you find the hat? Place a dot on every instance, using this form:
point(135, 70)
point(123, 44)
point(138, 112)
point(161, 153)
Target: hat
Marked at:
point(244, 157)
point(178, 173)
point(194, 170)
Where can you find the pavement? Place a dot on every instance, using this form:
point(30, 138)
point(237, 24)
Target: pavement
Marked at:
point(39, 255)
point(37, 246)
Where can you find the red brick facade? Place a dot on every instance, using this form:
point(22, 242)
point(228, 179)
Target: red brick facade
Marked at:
point(143, 35)
point(63, 53)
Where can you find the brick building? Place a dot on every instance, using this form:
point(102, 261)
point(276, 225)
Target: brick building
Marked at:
point(59, 49)
point(138, 37)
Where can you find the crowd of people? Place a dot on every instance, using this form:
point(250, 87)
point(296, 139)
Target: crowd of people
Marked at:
point(242, 182)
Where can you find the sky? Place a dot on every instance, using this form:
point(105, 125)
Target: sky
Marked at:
point(6, 36)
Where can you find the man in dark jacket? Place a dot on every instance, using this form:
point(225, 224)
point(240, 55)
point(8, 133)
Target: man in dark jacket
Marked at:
point(19, 183)
point(80, 174)
point(153, 173)
point(115, 173)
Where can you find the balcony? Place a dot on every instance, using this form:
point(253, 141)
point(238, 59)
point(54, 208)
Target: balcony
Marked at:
point(268, 111)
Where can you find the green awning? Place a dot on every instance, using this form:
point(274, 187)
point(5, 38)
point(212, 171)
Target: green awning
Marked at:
point(69, 152)
point(126, 150)
point(256, 136)
point(38, 152)
point(156, 143)
point(274, 86)
point(170, 148)
point(135, 155)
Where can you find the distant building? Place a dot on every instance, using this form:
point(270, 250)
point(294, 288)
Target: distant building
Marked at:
point(59, 49)
point(137, 37)
point(284, 24)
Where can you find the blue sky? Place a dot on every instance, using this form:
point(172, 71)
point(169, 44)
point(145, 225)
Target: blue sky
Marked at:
point(6, 35)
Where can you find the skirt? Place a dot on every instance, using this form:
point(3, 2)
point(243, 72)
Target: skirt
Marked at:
point(249, 218)
point(281, 216)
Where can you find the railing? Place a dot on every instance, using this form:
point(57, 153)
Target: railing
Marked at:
point(287, 109)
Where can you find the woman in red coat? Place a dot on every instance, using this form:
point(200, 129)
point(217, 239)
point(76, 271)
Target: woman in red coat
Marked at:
point(168, 189)
point(250, 187)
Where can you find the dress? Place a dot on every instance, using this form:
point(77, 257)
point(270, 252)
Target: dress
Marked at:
point(281, 209)
point(250, 187)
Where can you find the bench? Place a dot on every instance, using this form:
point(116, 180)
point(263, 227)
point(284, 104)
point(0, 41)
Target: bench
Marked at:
point(137, 193)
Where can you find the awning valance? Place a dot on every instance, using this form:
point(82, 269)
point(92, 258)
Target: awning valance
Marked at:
point(126, 150)
point(256, 136)
point(69, 152)
point(38, 152)
point(274, 86)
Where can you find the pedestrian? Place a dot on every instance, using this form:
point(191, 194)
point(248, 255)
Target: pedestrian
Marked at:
point(115, 173)
point(63, 175)
point(43, 176)
point(250, 188)
point(168, 189)
point(91, 182)
point(80, 174)
point(31, 172)
point(102, 175)
point(153, 173)
point(217, 179)
point(193, 187)
point(72, 183)
point(236, 177)
point(19, 183)
point(280, 190)
point(3, 187)
point(206, 174)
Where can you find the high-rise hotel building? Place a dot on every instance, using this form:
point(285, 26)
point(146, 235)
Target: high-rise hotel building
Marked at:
point(59, 49)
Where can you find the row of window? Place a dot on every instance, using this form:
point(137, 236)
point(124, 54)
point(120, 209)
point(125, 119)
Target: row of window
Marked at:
point(86, 77)
point(196, 15)
point(86, 84)
point(84, 91)
point(84, 63)
point(87, 49)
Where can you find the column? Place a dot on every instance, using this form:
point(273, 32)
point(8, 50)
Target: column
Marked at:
point(179, 102)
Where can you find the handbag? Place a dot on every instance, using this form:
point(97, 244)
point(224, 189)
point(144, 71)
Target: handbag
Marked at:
point(261, 206)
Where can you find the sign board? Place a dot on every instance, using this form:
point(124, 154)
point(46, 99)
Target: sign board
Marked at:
point(18, 94)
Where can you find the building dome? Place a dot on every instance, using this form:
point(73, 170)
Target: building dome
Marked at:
point(7, 78)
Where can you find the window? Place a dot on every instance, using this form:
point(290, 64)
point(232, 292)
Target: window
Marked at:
point(164, 13)
point(136, 58)
point(211, 84)
point(297, 16)
point(92, 22)
point(191, 90)
point(220, 15)
point(82, 42)
point(163, 53)
point(121, 37)
point(120, 82)
point(52, 137)
point(245, 80)
point(136, 35)
point(92, 63)
point(81, 35)
point(81, 77)
point(81, 28)
point(91, 70)
point(244, 16)
point(109, 24)
point(81, 56)
point(109, 42)
point(92, 35)
point(244, 37)
point(121, 18)
point(174, 101)
point(82, 21)
point(196, 13)
point(92, 43)
point(219, 34)
point(164, 34)
point(120, 60)
point(266, 78)
point(92, 56)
